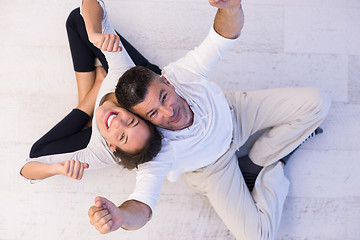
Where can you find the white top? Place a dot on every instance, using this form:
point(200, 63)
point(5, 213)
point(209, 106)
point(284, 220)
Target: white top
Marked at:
point(185, 150)
point(97, 154)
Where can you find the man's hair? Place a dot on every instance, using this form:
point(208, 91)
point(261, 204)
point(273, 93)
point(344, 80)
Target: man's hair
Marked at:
point(151, 149)
point(133, 86)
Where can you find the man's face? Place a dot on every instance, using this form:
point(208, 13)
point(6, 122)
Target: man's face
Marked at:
point(163, 107)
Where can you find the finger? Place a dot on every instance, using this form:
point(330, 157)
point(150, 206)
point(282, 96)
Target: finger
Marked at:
point(86, 165)
point(81, 172)
point(105, 43)
point(111, 43)
point(99, 201)
point(77, 166)
point(71, 168)
point(116, 47)
point(66, 167)
point(98, 215)
point(97, 227)
point(216, 3)
point(105, 219)
point(93, 210)
point(94, 217)
point(213, 2)
point(106, 228)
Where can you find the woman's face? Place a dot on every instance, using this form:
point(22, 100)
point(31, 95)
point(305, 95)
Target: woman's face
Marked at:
point(121, 128)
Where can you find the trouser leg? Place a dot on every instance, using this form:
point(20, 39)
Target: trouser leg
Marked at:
point(66, 136)
point(289, 116)
point(83, 51)
point(247, 216)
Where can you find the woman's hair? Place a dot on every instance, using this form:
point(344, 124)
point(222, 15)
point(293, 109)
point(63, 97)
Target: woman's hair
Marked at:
point(151, 149)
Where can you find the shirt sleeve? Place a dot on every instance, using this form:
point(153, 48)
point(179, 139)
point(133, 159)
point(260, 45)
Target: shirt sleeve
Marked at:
point(149, 182)
point(203, 58)
point(150, 176)
point(86, 155)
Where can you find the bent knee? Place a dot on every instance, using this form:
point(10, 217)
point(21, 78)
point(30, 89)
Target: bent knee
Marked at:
point(34, 151)
point(321, 101)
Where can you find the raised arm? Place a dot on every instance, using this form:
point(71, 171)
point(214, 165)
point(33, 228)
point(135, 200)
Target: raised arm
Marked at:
point(93, 14)
point(103, 36)
point(229, 19)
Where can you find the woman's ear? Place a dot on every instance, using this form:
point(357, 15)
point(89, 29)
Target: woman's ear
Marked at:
point(113, 147)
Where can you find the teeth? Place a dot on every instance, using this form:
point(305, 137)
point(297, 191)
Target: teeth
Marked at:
point(110, 119)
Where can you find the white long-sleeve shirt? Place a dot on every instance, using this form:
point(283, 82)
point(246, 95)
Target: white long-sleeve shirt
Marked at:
point(185, 150)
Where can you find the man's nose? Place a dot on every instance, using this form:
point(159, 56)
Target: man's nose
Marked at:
point(168, 111)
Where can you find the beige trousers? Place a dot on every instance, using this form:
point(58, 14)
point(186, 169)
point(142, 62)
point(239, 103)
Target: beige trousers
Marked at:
point(289, 116)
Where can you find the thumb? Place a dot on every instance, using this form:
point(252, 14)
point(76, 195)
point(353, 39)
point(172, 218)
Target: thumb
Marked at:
point(100, 201)
point(62, 163)
point(213, 2)
point(103, 202)
point(85, 165)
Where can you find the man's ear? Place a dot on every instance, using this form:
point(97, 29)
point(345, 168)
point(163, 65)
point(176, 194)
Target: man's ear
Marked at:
point(167, 82)
point(113, 147)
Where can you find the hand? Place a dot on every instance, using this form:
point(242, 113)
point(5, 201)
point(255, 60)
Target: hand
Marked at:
point(225, 3)
point(105, 216)
point(106, 42)
point(70, 168)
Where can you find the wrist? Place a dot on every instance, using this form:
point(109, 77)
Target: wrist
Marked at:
point(52, 169)
point(94, 30)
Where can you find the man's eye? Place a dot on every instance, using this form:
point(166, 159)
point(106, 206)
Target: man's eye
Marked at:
point(164, 97)
point(131, 122)
point(153, 114)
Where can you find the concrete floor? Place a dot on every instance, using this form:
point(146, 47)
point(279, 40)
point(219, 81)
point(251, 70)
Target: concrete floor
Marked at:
point(284, 44)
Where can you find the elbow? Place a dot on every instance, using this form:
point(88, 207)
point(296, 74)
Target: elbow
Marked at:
point(23, 171)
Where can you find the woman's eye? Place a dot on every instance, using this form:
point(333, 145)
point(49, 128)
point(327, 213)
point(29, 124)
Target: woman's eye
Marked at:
point(164, 97)
point(122, 136)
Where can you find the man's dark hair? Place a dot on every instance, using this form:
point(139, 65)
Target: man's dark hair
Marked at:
point(133, 86)
point(151, 149)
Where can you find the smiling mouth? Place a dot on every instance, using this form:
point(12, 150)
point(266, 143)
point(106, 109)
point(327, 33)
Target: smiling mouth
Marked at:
point(176, 118)
point(109, 119)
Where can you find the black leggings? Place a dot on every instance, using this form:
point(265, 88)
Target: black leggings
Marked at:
point(83, 52)
point(69, 134)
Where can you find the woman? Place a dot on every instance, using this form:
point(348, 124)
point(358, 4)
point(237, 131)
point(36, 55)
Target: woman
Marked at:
point(71, 146)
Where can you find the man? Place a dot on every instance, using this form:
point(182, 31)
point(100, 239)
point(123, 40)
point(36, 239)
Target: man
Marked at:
point(203, 128)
